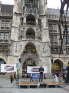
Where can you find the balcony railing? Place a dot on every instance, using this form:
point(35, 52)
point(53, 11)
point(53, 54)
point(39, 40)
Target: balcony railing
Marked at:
point(30, 10)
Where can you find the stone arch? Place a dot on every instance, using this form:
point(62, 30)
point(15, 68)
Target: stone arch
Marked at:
point(30, 33)
point(29, 55)
point(30, 19)
point(29, 51)
point(57, 66)
point(2, 61)
point(28, 48)
point(28, 62)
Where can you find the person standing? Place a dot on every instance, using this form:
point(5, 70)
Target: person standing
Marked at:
point(41, 70)
point(56, 78)
point(15, 76)
point(67, 75)
point(11, 78)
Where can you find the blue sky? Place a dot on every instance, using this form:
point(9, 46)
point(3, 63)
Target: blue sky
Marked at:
point(51, 3)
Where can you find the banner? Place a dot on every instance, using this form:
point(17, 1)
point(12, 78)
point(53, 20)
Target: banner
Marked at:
point(35, 76)
point(35, 69)
point(8, 68)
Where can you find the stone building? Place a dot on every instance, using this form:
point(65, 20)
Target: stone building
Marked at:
point(6, 15)
point(60, 58)
point(32, 37)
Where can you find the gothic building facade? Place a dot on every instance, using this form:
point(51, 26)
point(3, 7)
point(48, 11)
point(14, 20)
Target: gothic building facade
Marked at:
point(33, 38)
point(31, 42)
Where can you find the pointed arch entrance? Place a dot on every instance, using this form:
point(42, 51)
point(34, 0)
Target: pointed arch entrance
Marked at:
point(29, 57)
point(28, 62)
point(57, 66)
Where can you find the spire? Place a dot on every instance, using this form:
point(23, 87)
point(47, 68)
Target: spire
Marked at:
point(17, 6)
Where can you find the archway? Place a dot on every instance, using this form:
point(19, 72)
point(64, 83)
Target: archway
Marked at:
point(57, 66)
point(27, 62)
point(30, 33)
point(30, 48)
point(29, 57)
point(30, 19)
point(2, 62)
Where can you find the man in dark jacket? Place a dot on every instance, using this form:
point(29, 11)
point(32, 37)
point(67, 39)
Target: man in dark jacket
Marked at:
point(41, 70)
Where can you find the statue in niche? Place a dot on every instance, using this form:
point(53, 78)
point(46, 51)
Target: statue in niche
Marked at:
point(44, 48)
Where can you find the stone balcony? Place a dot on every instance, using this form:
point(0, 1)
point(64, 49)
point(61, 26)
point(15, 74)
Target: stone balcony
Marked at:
point(30, 11)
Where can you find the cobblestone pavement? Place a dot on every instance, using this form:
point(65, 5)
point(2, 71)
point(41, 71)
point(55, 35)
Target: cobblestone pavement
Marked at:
point(7, 87)
point(37, 90)
point(5, 82)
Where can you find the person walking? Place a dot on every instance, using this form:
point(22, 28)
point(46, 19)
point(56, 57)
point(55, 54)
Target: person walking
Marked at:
point(11, 78)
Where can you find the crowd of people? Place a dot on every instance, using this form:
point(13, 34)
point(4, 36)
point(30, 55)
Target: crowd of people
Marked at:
point(57, 76)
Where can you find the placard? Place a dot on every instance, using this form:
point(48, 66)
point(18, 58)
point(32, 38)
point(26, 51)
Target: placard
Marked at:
point(8, 68)
point(35, 69)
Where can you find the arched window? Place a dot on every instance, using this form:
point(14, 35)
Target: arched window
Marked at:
point(30, 48)
point(30, 33)
point(30, 19)
point(57, 66)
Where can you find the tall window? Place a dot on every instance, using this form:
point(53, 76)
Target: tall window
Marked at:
point(31, 3)
point(30, 34)
point(30, 19)
point(30, 48)
point(66, 42)
point(54, 40)
point(5, 24)
point(4, 36)
point(1, 62)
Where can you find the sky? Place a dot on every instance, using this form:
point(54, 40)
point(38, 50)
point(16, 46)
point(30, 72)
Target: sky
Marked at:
point(50, 3)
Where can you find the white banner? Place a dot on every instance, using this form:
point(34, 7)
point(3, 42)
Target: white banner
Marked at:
point(8, 68)
point(35, 69)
